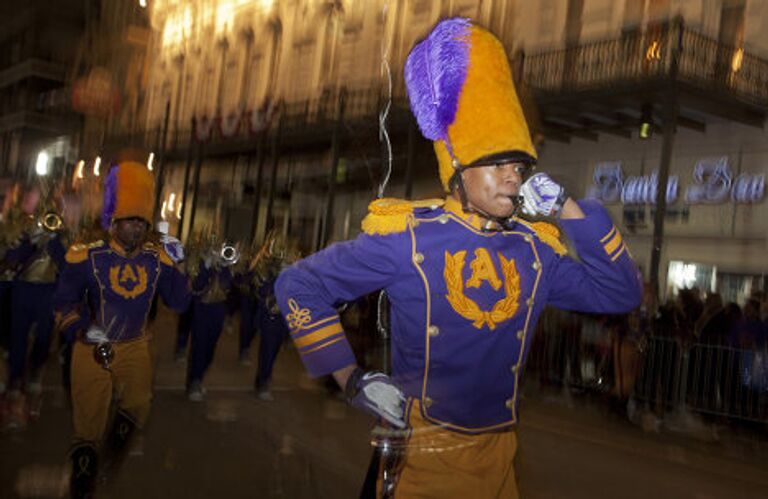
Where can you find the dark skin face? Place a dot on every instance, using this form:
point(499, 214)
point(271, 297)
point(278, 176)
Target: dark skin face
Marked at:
point(491, 189)
point(130, 233)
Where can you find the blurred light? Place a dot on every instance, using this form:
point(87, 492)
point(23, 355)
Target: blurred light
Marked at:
point(162, 210)
point(646, 121)
point(150, 160)
point(645, 130)
point(41, 166)
point(79, 169)
point(736, 60)
point(653, 52)
point(143, 3)
point(178, 210)
point(171, 201)
point(96, 166)
point(177, 27)
point(682, 275)
point(266, 4)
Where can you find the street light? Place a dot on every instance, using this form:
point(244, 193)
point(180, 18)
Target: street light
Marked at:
point(41, 166)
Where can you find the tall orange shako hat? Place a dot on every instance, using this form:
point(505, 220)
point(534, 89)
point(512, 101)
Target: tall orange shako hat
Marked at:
point(128, 192)
point(461, 91)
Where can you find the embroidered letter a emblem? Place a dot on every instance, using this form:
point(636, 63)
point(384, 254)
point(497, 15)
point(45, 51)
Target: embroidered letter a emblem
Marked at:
point(503, 310)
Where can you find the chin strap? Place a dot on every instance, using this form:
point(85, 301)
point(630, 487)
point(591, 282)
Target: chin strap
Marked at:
point(493, 223)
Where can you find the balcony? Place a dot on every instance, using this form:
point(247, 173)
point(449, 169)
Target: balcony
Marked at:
point(306, 125)
point(601, 86)
point(32, 68)
point(53, 124)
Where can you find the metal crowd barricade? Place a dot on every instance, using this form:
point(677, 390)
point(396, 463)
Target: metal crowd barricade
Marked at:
point(662, 374)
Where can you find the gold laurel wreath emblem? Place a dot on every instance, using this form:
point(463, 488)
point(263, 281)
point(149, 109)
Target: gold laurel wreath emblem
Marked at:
point(503, 310)
point(117, 287)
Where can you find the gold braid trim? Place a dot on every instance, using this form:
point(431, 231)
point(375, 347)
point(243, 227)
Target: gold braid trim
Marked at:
point(503, 310)
point(391, 215)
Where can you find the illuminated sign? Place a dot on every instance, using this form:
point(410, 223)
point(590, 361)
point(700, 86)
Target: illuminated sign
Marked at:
point(714, 183)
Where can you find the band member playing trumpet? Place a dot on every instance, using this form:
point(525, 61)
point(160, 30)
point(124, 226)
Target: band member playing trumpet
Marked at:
point(36, 257)
point(210, 287)
point(103, 299)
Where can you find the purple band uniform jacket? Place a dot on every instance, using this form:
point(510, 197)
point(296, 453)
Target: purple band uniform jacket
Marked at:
point(464, 304)
point(103, 286)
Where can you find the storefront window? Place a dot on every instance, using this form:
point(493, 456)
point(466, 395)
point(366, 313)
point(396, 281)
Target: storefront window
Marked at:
point(689, 275)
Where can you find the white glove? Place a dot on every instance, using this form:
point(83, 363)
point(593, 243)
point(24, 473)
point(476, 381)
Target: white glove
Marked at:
point(542, 196)
point(375, 393)
point(173, 247)
point(96, 335)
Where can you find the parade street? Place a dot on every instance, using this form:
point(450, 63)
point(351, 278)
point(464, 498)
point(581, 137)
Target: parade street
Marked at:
point(308, 443)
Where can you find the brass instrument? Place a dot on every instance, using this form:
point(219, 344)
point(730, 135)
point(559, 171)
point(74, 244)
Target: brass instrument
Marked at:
point(230, 255)
point(51, 221)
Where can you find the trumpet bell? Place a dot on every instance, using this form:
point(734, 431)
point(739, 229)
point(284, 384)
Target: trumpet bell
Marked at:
point(230, 255)
point(51, 221)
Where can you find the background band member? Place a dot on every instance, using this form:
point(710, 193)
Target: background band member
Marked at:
point(467, 277)
point(38, 257)
point(103, 299)
point(211, 287)
point(271, 325)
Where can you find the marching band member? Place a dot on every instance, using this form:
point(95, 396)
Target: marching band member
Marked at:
point(210, 287)
point(103, 299)
point(270, 323)
point(467, 277)
point(38, 257)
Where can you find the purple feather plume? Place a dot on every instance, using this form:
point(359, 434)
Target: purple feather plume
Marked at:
point(110, 197)
point(434, 75)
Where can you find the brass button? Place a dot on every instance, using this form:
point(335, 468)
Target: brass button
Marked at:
point(529, 301)
point(443, 219)
point(520, 334)
point(535, 265)
point(418, 258)
point(427, 402)
point(510, 403)
point(515, 368)
point(527, 238)
point(433, 330)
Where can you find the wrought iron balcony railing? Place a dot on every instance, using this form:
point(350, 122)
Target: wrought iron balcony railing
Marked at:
point(310, 117)
point(668, 52)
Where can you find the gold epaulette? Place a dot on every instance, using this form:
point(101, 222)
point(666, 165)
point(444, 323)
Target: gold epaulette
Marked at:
point(164, 257)
point(549, 234)
point(78, 252)
point(161, 253)
point(391, 215)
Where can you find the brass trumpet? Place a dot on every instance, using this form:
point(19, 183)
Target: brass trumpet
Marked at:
point(51, 221)
point(230, 255)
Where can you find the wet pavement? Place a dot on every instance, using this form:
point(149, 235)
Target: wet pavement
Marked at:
point(308, 443)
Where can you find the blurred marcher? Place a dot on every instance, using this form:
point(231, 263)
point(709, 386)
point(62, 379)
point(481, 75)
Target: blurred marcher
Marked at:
point(273, 257)
point(103, 298)
point(210, 287)
point(37, 257)
point(460, 329)
point(183, 332)
point(247, 304)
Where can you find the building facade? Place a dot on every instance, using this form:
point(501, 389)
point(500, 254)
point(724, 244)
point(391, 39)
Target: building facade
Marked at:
point(266, 115)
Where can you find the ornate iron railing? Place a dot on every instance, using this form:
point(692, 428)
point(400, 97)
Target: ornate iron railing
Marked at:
point(310, 116)
point(665, 52)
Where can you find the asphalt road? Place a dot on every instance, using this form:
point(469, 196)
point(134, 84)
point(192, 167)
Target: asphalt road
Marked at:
point(308, 443)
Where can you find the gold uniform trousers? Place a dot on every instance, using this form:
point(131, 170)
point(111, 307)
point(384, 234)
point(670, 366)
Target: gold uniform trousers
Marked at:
point(445, 464)
point(129, 378)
